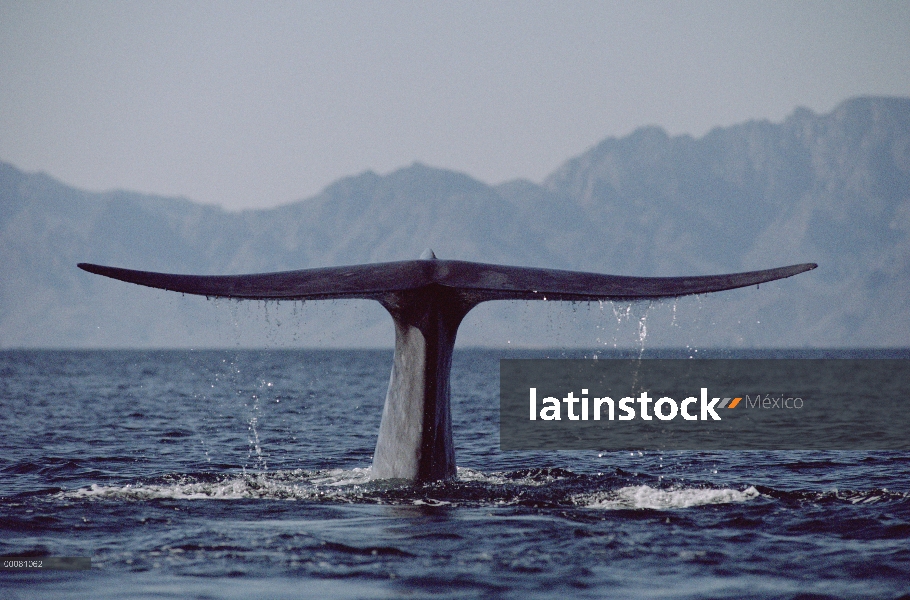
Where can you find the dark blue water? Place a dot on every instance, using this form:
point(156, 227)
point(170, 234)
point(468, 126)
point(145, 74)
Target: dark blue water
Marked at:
point(245, 474)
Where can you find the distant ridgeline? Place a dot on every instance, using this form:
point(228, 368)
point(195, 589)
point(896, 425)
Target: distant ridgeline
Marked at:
point(832, 189)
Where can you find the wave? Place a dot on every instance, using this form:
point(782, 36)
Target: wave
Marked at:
point(536, 488)
point(335, 484)
point(530, 487)
point(646, 497)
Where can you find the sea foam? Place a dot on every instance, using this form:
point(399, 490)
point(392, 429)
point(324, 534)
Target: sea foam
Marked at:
point(646, 497)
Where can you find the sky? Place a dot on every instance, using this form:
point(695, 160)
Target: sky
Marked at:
point(257, 104)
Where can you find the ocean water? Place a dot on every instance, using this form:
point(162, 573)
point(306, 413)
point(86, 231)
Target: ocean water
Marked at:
point(245, 474)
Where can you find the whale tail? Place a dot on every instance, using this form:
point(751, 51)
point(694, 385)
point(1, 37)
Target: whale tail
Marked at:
point(476, 281)
point(427, 299)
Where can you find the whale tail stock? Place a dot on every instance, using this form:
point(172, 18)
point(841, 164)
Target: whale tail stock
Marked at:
point(427, 299)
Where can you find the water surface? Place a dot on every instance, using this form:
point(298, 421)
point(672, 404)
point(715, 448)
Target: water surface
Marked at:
point(245, 474)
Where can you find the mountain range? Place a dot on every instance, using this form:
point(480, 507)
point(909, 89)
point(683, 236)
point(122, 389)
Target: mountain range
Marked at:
point(827, 188)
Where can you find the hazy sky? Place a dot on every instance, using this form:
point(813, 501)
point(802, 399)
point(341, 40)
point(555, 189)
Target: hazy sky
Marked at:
point(257, 104)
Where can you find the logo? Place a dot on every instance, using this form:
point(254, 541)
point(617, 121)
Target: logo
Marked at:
point(676, 404)
point(664, 409)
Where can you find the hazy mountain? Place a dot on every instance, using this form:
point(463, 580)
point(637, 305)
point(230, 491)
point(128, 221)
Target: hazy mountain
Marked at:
point(832, 189)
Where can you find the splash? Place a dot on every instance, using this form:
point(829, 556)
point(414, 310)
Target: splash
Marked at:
point(626, 313)
point(335, 484)
point(471, 487)
point(528, 477)
point(547, 487)
point(643, 330)
point(646, 497)
point(622, 312)
point(253, 440)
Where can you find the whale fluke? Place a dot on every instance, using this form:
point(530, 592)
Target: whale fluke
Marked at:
point(427, 299)
point(478, 281)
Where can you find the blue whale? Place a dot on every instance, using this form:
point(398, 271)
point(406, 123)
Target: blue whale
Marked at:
point(427, 299)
